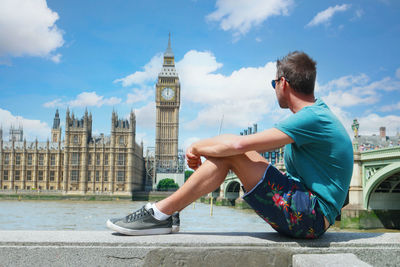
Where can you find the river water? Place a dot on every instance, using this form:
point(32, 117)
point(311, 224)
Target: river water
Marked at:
point(92, 216)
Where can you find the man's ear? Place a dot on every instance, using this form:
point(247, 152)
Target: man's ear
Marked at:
point(285, 85)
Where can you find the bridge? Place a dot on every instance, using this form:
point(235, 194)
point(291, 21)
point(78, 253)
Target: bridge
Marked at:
point(374, 195)
point(377, 172)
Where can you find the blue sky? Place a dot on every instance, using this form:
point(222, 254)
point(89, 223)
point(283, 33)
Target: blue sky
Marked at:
point(105, 55)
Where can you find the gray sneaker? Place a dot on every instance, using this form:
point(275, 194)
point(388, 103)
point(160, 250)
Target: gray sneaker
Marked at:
point(176, 222)
point(142, 222)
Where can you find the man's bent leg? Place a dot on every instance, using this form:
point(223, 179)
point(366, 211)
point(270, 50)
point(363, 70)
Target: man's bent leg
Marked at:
point(249, 167)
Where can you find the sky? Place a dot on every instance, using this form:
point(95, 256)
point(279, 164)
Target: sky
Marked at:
point(105, 55)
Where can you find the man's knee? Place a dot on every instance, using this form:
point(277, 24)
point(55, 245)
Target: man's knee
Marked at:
point(239, 161)
point(246, 158)
point(226, 162)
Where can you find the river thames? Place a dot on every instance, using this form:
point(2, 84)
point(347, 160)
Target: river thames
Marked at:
point(92, 216)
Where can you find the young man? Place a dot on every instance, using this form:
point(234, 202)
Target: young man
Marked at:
point(318, 158)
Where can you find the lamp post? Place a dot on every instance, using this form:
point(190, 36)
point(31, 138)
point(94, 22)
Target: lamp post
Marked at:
point(355, 127)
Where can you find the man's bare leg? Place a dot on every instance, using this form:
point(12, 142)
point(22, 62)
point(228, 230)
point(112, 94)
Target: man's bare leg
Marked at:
point(249, 167)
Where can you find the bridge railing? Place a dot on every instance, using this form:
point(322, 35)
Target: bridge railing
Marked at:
point(383, 153)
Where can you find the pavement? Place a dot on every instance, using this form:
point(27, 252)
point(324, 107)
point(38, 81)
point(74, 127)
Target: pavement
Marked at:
point(105, 248)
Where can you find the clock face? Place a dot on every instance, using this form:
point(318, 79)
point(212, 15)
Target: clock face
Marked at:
point(167, 93)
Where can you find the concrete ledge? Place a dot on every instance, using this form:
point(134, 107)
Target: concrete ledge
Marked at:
point(328, 260)
point(104, 248)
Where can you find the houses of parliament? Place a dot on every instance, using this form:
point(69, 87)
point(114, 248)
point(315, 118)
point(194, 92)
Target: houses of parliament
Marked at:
point(87, 164)
point(81, 164)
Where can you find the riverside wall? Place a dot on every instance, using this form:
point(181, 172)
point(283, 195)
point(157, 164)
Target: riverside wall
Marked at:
point(105, 248)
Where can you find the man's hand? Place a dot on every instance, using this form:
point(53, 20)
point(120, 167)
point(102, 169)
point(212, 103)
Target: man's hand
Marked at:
point(229, 145)
point(193, 160)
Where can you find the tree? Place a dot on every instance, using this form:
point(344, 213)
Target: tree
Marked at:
point(188, 173)
point(167, 184)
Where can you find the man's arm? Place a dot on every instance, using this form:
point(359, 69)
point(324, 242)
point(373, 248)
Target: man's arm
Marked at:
point(229, 145)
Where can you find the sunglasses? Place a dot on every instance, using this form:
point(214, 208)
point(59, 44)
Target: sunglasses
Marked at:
point(274, 82)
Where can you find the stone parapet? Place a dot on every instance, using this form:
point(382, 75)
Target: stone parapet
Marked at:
point(328, 260)
point(104, 248)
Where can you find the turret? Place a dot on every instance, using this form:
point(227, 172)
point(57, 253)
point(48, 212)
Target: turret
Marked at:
point(90, 122)
point(16, 134)
point(56, 121)
point(56, 130)
point(132, 120)
point(168, 51)
point(78, 129)
point(113, 120)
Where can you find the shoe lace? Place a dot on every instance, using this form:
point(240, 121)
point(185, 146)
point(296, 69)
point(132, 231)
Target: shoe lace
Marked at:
point(137, 214)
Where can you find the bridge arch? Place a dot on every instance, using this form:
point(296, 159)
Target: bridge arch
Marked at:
point(391, 171)
point(232, 190)
point(216, 192)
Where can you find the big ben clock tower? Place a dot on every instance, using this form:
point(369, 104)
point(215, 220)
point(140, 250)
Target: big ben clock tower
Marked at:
point(168, 94)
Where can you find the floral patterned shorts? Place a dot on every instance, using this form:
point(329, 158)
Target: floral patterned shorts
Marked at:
point(289, 207)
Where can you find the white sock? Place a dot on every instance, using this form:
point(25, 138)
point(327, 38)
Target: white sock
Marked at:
point(159, 215)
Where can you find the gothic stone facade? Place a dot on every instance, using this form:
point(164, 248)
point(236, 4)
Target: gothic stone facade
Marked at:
point(82, 164)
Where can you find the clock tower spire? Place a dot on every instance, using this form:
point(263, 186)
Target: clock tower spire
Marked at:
point(168, 94)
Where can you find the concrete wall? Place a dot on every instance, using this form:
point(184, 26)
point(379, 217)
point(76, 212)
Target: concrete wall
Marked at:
point(104, 248)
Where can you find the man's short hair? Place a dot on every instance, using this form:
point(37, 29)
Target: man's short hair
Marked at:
point(300, 70)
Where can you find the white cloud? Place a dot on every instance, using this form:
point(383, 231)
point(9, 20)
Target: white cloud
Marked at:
point(386, 84)
point(149, 73)
point(345, 82)
point(241, 15)
point(353, 91)
point(27, 27)
point(233, 96)
point(56, 58)
point(398, 73)
point(143, 137)
point(140, 137)
point(347, 99)
point(357, 14)
point(370, 124)
point(139, 95)
point(214, 94)
point(85, 99)
point(389, 108)
point(53, 104)
point(234, 113)
point(207, 95)
point(110, 101)
point(189, 141)
point(32, 128)
point(324, 17)
point(146, 115)
point(345, 118)
point(245, 96)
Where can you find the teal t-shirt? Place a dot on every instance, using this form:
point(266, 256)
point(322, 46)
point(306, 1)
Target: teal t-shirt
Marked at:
point(321, 156)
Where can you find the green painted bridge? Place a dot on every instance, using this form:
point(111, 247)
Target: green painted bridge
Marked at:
point(379, 171)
